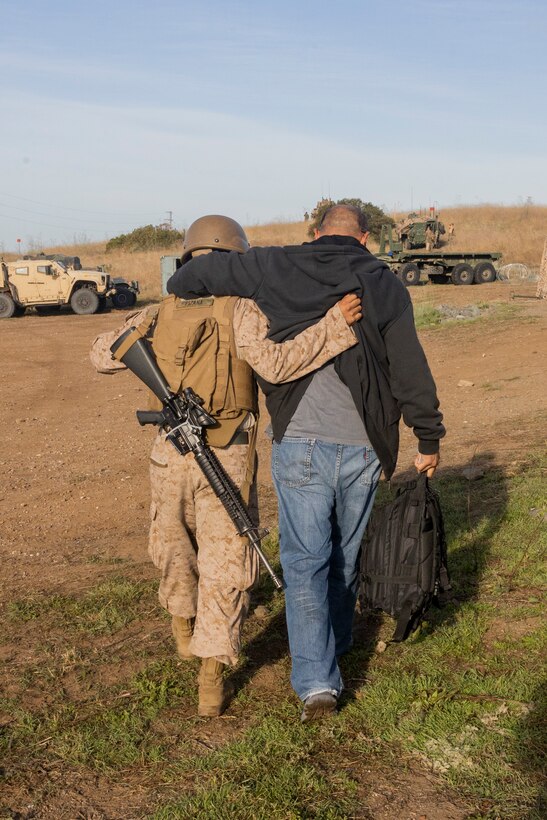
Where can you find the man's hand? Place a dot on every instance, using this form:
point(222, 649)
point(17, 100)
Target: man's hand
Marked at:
point(427, 463)
point(350, 307)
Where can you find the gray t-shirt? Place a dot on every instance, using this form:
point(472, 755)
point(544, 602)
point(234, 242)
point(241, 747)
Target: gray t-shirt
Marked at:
point(327, 412)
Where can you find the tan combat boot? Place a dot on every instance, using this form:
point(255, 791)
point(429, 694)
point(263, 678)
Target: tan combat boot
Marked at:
point(183, 629)
point(214, 692)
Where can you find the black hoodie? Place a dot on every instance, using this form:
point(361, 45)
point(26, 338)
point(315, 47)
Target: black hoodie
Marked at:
point(387, 373)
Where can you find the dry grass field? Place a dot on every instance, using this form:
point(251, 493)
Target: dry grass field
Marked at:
point(518, 232)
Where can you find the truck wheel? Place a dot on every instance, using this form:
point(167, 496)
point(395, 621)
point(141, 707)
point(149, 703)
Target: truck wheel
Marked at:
point(463, 274)
point(84, 301)
point(485, 272)
point(7, 306)
point(124, 298)
point(409, 274)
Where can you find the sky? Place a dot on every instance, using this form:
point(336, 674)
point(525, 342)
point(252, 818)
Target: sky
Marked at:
point(116, 113)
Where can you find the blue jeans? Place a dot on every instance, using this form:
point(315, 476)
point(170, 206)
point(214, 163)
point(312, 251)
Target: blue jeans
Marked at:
point(325, 493)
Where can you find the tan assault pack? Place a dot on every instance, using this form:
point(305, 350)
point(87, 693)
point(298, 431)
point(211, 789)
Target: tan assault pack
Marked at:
point(193, 341)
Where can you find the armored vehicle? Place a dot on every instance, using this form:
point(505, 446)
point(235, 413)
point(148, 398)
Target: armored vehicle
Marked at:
point(417, 231)
point(68, 261)
point(440, 267)
point(47, 284)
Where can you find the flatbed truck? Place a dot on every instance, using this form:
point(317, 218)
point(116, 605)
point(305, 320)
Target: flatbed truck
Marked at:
point(441, 267)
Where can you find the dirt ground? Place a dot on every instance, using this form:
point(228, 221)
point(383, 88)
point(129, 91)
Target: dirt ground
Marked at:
point(74, 463)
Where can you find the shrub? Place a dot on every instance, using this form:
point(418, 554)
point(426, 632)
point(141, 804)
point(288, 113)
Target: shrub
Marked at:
point(146, 238)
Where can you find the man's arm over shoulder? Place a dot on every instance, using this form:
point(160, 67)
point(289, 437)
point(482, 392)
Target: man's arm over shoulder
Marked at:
point(290, 360)
point(219, 274)
point(412, 384)
point(100, 355)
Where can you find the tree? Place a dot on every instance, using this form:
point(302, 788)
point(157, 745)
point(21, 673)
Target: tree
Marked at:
point(375, 215)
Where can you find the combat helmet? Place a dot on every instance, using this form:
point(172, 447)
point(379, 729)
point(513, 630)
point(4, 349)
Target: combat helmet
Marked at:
point(214, 232)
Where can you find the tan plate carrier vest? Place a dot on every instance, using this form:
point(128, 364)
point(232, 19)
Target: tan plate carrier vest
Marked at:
point(193, 342)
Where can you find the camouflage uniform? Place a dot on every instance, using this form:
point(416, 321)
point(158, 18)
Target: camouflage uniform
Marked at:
point(207, 570)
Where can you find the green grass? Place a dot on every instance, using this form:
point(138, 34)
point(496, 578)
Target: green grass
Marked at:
point(109, 732)
point(463, 698)
point(105, 608)
point(428, 317)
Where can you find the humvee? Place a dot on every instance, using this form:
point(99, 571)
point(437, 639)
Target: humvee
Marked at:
point(47, 284)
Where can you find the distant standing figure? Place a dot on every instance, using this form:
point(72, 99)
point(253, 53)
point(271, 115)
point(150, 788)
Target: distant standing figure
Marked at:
point(451, 230)
point(429, 238)
point(306, 216)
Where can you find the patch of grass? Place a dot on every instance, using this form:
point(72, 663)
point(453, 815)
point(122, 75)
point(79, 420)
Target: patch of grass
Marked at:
point(426, 316)
point(105, 608)
point(270, 773)
point(106, 734)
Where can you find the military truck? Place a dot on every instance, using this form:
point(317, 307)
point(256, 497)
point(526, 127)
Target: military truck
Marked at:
point(47, 284)
point(68, 261)
point(415, 229)
point(440, 267)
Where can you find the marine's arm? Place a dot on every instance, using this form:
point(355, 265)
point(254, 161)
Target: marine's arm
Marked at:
point(100, 355)
point(217, 273)
point(286, 361)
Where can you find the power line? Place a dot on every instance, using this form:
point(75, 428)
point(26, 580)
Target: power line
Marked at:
point(79, 210)
point(48, 224)
point(49, 215)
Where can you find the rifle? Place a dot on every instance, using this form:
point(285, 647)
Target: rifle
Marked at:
point(183, 418)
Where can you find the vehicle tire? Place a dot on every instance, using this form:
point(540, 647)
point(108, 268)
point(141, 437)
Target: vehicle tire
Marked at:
point(463, 274)
point(7, 306)
point(409, 274)
point(84, 301)
point(485, 272)
point(124, 298)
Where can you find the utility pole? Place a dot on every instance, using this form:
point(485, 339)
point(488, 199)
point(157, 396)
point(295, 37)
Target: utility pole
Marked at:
point(170, 219)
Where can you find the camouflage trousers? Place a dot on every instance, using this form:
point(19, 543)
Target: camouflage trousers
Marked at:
point(207, 569)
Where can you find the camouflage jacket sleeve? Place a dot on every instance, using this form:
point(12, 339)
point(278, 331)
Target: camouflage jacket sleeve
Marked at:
point(100, 355)
point(286, 361)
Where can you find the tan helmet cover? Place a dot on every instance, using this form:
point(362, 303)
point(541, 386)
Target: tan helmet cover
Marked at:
point(214, 232)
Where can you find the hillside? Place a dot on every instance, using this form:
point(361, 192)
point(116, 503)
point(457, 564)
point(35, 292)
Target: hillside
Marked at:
point(517, 231)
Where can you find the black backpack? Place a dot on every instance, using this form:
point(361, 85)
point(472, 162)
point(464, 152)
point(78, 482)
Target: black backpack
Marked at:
point(403, 564)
